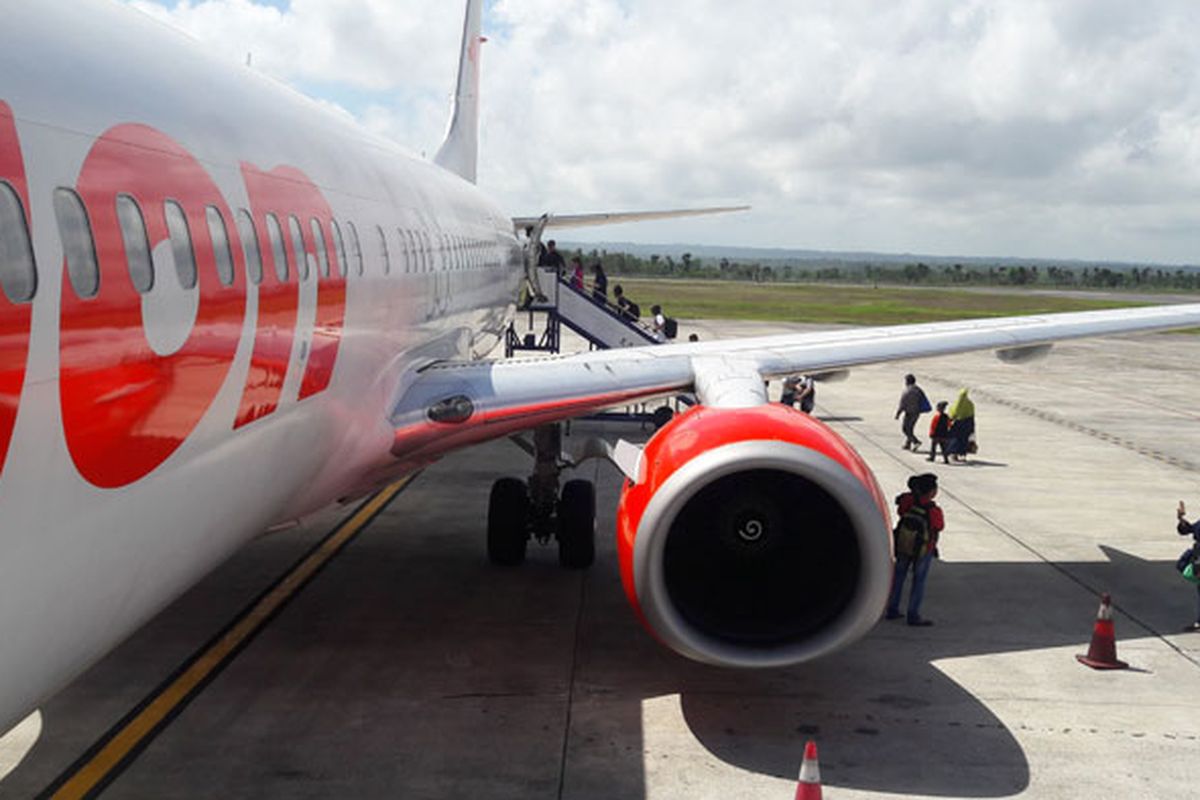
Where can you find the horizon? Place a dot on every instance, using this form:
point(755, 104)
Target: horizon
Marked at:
point(850, 256)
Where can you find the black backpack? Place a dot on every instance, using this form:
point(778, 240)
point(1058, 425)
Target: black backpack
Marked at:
point(670, 327)
point(911, 535)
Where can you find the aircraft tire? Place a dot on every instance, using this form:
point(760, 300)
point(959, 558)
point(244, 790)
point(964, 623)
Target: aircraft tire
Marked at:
point(661, 416)
point(577, 525)
point(508, 522)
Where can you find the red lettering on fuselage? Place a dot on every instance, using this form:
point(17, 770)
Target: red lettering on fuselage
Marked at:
point(287, 192)
point(14, 317)
point(125, 408)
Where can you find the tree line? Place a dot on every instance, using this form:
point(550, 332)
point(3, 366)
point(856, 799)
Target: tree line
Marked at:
point(911, 274)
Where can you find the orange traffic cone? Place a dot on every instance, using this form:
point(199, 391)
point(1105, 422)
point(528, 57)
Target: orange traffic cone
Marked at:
point(809, 787)
point(1102, 653)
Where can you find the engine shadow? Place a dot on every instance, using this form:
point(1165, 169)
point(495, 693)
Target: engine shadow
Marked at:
point(889, 720)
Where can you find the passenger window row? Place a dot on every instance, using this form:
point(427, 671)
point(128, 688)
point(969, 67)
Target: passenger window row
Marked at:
point(416, 251)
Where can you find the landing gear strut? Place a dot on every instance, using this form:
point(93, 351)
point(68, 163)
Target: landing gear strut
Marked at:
point(519, 510)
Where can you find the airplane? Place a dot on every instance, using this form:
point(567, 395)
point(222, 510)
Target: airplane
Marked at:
point(223, 308)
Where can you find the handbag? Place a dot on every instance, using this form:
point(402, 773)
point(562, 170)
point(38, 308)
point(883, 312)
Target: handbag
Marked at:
point(925, 407)
point(1189, 573)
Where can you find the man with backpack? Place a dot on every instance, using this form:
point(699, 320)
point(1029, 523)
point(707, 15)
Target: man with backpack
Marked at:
point(799, 389)
point(915, 538)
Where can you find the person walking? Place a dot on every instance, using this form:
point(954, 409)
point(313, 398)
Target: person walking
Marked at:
point(939, 433)
point(916, 539)
point(799, 389)
point(913, 403)
point(962, 427)
point(1192, 529)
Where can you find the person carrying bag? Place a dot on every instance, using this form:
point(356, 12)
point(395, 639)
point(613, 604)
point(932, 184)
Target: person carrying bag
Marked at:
point(1187, 561)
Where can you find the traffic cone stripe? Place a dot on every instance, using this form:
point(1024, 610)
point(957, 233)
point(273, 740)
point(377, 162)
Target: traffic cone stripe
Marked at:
point(809, 786)
point(1102, 652)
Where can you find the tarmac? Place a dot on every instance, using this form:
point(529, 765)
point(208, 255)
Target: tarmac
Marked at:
point(408, 667)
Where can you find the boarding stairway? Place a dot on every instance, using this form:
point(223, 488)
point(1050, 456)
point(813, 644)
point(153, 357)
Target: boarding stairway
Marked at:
point(598, 321)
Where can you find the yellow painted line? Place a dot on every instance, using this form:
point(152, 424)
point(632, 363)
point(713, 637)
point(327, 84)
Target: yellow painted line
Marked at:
point(96, 771)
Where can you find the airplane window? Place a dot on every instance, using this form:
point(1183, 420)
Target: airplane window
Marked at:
point(339, 247)
point(411, 244)
point(426, 252)
point(249, 237)
point(137, 246)
point(278, 251)
point(298, 247)
point(319, 240)
point(405, 249)
point(220, 243)
point(387, 262)
point(76, 235)
point(181, 244)
point(355, 247)
point(18, 277)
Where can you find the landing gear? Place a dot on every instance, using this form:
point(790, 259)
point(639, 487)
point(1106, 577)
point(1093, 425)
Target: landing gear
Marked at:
point(520, 510)
point(508, 522)
point(577, 525)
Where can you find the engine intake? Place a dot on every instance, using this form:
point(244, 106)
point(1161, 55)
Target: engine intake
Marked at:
point(757, 538)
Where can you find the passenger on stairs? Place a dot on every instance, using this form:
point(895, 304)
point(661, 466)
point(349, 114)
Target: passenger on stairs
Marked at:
point(599, 284)
point(551, 258)
point(629, 309)
point(577, 273)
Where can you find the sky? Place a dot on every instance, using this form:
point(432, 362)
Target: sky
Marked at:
point(1058, 129)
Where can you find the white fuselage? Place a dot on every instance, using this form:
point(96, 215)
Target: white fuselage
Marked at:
point(115, 495)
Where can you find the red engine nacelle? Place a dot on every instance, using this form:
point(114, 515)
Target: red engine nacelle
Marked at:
point(756, 537)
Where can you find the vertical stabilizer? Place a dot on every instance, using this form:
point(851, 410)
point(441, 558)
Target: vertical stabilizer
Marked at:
point(460, 151)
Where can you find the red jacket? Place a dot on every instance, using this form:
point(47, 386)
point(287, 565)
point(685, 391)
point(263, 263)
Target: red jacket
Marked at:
point(936, 521)
point(939, 426)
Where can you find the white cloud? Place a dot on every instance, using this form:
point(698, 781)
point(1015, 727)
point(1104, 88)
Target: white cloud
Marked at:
point(1028, 127)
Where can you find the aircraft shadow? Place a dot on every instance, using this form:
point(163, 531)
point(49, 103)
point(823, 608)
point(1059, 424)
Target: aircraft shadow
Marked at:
point(887, 719)
point(412, 668)
point(898, 724)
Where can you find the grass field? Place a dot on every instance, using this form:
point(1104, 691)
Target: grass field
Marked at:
point(887, 305)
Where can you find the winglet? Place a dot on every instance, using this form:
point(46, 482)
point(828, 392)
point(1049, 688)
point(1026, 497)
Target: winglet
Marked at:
point(460, 151)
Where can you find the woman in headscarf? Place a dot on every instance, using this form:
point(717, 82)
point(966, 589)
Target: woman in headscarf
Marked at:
point(962, 415)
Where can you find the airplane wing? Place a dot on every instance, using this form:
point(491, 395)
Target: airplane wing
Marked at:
point(616, 217)
point(449, 405)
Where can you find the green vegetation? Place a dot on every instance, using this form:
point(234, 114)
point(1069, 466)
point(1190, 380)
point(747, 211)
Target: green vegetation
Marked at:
point(864, 272)
point(780, 302)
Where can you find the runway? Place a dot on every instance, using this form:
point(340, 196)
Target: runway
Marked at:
point(408, 667)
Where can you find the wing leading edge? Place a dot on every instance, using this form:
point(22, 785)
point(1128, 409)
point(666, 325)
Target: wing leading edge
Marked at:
point(452, 405)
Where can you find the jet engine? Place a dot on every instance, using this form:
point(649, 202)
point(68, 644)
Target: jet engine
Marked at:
point(754, 537)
